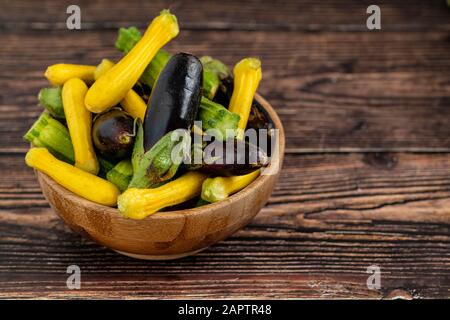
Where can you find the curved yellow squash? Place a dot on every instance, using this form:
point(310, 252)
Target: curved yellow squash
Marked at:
point(134, 105)
point(220, 188)
point(82, 183)
point(247, 75)
point(112, 87)
point(79, 121)
point(139, 203)
point(132, 102)
point(58, 74)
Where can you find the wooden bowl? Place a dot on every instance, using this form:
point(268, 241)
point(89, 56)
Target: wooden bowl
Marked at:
point(165, 235)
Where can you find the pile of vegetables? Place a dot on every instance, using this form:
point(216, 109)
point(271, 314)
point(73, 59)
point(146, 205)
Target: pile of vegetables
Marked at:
point(107, 132)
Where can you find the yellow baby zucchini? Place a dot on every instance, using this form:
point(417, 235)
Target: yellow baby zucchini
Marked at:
point(139, 203)
point(57, 74)
point(102, 68)
point(220, 188)
point(132, 102)
point(134, 105)
point(78, 181)
point(79, 122)
point(112, 87)
point(247, 75)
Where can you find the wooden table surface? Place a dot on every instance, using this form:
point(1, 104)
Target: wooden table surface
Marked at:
point(366, 177)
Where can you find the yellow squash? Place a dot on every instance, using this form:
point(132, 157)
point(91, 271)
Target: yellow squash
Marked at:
point(220, 188)
point(132, 102)
point(134, 105)
point(82, 183)
point(247, 75)
point(79, 121)
point(57, 74)
point(102, 68)
point(112, 87)
point(139, 203)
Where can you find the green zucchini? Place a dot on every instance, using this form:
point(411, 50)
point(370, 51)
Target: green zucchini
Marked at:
point(216, 117)
point(53, 135)
point(51, 99)
point(152, 71)
point(216, 66)
point(105, 166)
point(49, 133)
point(121, 174)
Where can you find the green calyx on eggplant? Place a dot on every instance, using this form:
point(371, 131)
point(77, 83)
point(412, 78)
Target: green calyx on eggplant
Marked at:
point(159, 164)
point(113, 134)
point(175, 98)
point(230, 158)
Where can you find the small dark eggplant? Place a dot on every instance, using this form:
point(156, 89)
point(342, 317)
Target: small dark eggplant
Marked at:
point(245, 158)
point(259, 119)
point(113, 134)
point(174, 99)
point(224, 92)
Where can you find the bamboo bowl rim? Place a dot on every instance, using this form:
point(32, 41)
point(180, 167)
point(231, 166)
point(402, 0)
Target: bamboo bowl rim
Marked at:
point(211, 207)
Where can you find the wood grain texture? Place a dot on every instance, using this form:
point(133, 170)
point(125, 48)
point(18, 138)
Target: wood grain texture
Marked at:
point(339, 90)
point(292, 15)
point(329, 218)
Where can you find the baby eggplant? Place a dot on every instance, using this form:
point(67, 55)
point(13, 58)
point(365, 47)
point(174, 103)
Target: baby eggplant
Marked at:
point(244, 158)
point(259, 119)
point(113, 134)
point(175, 98)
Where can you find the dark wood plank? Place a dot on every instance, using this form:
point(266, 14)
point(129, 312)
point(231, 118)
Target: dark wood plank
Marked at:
point(330, 217)
point(213, 287)
point(333, 91)
point(310, 15)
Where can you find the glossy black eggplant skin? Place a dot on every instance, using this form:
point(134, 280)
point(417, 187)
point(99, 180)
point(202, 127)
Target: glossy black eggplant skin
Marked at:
point(247, 158)
point(113, 134)
point(175, 98)
point(225, 91)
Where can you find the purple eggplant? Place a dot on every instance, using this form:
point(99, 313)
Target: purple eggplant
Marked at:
point(175, 98)
point(230, 158)
point(113, 134)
